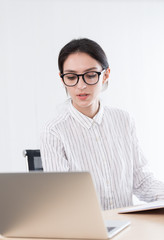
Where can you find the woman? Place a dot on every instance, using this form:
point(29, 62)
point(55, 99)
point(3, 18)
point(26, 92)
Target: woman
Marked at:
point(91, 137)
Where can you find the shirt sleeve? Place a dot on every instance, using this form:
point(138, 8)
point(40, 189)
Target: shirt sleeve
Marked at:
point(145, 186)
point(52, 153)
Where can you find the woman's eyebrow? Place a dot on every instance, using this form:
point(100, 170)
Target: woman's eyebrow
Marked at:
point(93, 68)
point(74, 71)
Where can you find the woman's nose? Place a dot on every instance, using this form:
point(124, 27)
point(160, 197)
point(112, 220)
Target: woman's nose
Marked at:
point(81, 84)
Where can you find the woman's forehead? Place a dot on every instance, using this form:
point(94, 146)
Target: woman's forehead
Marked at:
point(80, 61)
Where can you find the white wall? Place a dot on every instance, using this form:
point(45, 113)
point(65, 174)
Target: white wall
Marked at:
point(31, 34)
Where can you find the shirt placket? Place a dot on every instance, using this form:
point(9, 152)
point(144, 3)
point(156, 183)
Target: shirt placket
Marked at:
point(105, 168)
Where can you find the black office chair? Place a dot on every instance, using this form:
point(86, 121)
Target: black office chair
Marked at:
point(33, 159)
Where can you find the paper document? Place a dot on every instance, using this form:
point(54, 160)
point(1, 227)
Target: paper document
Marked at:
point(143, 207)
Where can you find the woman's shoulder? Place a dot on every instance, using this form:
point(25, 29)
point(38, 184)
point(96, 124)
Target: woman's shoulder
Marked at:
point(56, 122)
point(116, 111)
point(118, 116)
point(60, 117)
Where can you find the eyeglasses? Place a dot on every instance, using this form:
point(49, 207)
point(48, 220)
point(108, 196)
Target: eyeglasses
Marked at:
point(90, 78)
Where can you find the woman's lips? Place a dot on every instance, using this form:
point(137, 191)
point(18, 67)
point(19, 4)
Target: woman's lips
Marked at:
point(83, 96)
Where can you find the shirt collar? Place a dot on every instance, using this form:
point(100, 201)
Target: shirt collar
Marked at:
point(84, 120)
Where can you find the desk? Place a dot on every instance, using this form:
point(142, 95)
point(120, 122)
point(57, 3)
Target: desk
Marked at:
point(148, 225)
point(144, 226)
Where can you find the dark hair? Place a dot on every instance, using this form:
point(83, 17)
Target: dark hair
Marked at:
point(84, 45)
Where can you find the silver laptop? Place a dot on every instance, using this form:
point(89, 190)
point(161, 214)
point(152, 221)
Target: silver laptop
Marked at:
point(52, 205)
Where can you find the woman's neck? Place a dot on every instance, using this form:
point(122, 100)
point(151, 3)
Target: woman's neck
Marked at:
point(89, 111)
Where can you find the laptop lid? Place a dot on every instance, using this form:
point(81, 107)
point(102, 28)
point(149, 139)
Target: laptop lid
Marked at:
point(50, 205)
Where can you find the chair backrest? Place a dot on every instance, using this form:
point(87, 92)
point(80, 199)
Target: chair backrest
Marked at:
point(33, 159)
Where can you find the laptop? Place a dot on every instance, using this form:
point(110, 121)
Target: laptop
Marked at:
point(52, 205)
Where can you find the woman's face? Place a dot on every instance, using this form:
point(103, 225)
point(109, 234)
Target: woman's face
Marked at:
point(85, 98)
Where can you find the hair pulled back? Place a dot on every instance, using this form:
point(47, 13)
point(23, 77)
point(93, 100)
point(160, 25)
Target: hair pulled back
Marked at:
point(84, 45)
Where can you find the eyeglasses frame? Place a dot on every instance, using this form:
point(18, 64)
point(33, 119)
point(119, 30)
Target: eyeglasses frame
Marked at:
point(81, 75)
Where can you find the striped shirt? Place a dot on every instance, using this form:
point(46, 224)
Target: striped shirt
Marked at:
point(107, 147)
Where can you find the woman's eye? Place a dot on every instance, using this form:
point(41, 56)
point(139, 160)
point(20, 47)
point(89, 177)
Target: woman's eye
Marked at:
point(91, 75)
point(71, 77)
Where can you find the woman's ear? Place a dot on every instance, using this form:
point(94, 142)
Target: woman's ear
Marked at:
point(60, 77)
point(106, 75)
point(63, 84)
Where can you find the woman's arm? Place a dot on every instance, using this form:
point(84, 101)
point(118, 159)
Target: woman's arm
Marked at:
point(145, 186)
